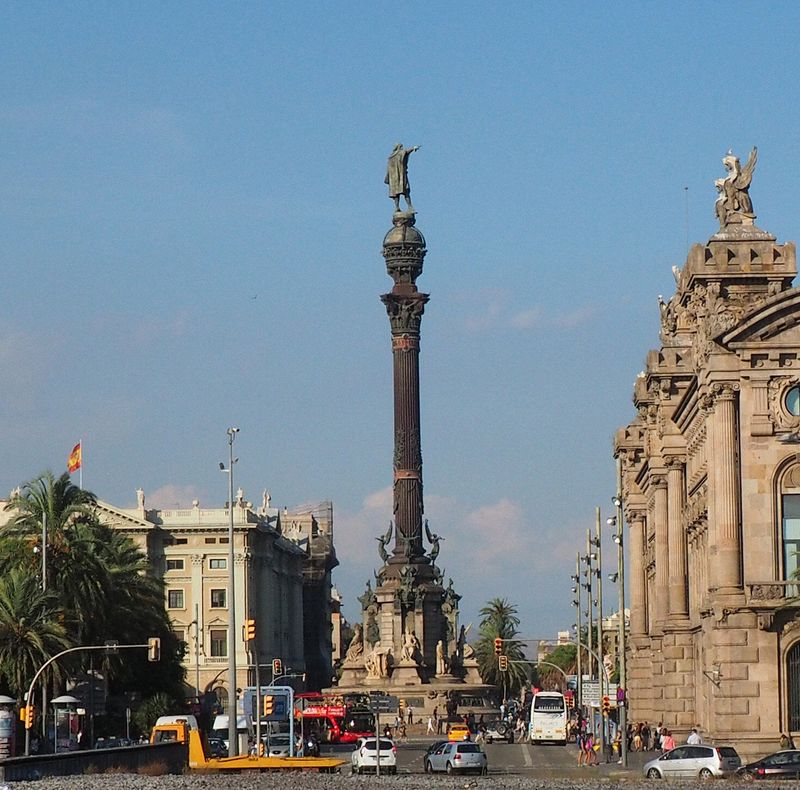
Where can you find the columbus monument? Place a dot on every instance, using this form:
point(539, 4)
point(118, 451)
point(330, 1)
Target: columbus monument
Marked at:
point(409, 635)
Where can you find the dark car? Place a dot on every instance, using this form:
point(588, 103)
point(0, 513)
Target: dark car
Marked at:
point(435, 746)
point(217, 747)
point(781, 765)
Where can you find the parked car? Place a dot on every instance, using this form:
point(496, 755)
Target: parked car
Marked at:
point(456, 758)
point(781, 765)
point(456, 731)
point(367, 752)
point(499, 731)
point(694, 761)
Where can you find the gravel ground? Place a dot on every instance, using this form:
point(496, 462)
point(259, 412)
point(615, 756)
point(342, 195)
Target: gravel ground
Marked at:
point(309, 781)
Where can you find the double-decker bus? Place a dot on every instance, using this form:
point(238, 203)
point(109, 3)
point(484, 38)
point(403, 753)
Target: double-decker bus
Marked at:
point(334, 720)
point(548, 718)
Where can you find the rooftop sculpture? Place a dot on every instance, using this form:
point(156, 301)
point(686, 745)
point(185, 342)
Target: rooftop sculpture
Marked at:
point(397, 175)
point(733, 204)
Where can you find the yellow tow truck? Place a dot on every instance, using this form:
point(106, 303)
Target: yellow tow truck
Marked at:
point(181, 731)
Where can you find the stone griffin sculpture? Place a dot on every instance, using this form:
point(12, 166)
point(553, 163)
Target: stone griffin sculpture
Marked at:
point(383, 541)
point(733, 195)
point(397, 175)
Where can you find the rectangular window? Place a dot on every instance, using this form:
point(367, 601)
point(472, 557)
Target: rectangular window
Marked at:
point(219, 643)
point(175, 599)
point(224, 540)
point(174, 565)
point(218, 599)
point(179, 634)
point(791, 535)
point(181, 541)
point(218, 563)
point(211, 540)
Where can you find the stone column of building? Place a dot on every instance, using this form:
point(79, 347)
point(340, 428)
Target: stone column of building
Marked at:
point(640, 674)
point(661, 516)
point(636, 576)
point(678, 598)
point(726, 567)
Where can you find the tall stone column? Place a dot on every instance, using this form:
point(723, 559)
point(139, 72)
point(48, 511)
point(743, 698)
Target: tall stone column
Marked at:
point(404, 251)
point(660, 514)
point(637, 574)
point(678, 598)
point(727, 566)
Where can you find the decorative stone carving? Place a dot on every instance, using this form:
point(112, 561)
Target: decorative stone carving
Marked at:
point(410, 651)
point(767, 592)
point(383, 541)
point(378, 662)
point(433, 539)
point(355, 650)
point(442, 664)
point(776, 393)
point(733, 204)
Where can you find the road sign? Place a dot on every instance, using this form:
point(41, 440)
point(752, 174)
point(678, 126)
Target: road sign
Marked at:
point(590, 690)
point(382, 703)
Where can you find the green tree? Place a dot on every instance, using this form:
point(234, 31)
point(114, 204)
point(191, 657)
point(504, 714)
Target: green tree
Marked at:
point(499, 619)
point(563, 656)
point(30, 628)
point(102, 581)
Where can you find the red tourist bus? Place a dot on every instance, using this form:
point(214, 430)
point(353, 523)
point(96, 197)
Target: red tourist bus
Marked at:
point(334, 720)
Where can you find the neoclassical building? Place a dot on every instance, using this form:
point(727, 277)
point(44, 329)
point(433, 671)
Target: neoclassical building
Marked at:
point(711, 490)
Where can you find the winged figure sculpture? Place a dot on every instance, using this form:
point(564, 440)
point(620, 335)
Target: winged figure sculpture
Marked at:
point(734, 197)
point(383, 541)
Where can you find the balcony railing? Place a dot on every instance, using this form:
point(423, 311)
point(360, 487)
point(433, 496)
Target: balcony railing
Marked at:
point(774, 592)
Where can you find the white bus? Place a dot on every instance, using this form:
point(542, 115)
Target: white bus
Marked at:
point(548, 718)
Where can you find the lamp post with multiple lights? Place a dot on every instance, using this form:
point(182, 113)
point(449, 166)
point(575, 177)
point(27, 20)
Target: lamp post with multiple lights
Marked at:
point(622, 702)
point(233, 745)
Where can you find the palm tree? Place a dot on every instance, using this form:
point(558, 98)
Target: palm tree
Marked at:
point(499, 619)
point(30, 628)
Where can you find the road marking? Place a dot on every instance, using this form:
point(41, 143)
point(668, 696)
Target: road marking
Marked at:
point(526, 753)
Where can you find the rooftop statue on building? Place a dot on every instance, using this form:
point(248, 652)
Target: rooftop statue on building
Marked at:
point(733, 203)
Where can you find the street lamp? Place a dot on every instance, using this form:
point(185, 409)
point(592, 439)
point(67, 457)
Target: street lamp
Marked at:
point(233, 745)
point(577, 604)
point(621, 698)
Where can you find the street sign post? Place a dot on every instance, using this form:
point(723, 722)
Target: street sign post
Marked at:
point(380, 703)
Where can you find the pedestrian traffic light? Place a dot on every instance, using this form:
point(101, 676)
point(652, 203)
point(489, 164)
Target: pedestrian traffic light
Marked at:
point(153, 649)
point(277, 667)
point(29, 714)
point(606, 706)
point(498, 646)
point(249, 630)
point(503, 663)
point(269, 704)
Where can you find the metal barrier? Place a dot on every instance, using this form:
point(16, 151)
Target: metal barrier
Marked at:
point(151, 759)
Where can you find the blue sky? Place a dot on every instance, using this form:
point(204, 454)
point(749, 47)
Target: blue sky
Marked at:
point(191, 212)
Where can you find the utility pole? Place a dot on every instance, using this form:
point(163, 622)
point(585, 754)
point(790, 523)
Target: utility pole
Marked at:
point(622, 702)
point(578, 636)
point(598, 544)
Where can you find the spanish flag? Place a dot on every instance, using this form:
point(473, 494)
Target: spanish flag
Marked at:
point(74, 460)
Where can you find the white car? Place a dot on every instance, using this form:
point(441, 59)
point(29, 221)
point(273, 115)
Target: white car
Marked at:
point(277, 745)
point(366, 755)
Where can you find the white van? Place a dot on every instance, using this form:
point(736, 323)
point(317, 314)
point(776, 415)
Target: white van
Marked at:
point(244, 729)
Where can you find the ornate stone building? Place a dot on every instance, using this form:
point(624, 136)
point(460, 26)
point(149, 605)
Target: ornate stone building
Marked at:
point(711, 490)
point(283, 581)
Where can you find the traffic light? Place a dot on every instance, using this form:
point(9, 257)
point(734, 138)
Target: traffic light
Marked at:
point(498, 646)
point(606, 706)
point(503, 663)
point(23, 714)
point(29, 713)
point(269, 705)
point(249, 630)
point(153, 649)
point(277, 667)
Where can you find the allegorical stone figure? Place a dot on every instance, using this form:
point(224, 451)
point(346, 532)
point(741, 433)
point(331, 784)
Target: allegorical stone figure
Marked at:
point(441, 658)
point(734, 197)
point(410, 649)
point(397, 175)
point(355, 649)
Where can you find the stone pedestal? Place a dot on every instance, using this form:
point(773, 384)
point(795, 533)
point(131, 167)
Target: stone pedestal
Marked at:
point(407, 673)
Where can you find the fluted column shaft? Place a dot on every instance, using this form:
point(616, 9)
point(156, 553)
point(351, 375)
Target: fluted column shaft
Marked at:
point(678, 598)
point(727, 496)
point(637, 573)
point(660, 514)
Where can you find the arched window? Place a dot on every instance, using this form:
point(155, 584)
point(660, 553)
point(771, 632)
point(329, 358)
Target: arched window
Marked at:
point(790, 523)
point(793, 685)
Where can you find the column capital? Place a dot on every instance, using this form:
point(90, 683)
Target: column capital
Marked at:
point(724, 390)
point(674, 462)
point(658, 481)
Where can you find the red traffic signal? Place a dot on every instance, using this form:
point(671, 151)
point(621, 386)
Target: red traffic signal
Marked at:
point(498, 646)
point(606, 705)
point(277, 667)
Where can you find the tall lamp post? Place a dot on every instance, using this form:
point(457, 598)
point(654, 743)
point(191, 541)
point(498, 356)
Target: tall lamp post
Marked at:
point(233, 745)
point(621, 698)
point(578, 638)
point(600, 674)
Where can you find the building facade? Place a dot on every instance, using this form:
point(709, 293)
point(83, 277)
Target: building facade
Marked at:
point(282, 581)
point(711, 490)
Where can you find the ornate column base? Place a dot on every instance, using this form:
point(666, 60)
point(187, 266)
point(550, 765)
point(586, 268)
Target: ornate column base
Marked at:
point(407, 673)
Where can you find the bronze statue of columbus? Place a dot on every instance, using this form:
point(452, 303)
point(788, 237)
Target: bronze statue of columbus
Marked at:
point(397, 175)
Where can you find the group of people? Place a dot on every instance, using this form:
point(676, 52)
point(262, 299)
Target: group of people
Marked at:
point(642, 738)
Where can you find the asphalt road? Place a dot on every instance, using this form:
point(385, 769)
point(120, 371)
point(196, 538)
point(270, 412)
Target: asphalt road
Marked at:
point(514, 759)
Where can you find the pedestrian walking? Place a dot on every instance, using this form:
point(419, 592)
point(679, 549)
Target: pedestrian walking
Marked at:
point(694, 737)
point(410, 715)
point(430, 730)
point(667, 741)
